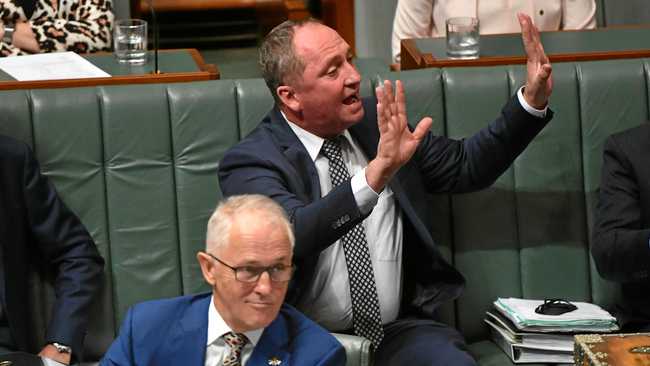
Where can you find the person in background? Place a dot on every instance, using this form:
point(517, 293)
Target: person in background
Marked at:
point(621, 238)
point(34, 26)
point(242, 321)
point(353, 175)
point(37, 229)
point(426, 18)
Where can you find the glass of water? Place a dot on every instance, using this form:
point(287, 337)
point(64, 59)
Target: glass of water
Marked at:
point(463, 38)
point(130, 41)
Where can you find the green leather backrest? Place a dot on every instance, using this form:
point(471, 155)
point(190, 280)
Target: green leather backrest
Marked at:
point(618, 12)
point(138, 164)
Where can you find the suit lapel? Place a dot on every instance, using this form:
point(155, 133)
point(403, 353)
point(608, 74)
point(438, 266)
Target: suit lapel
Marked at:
point(295, 153)
point(272, 348)
point(187, 342)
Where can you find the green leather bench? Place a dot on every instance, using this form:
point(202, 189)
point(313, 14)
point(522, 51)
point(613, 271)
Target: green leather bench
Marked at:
point(138, 164)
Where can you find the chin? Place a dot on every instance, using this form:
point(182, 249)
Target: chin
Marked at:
point(258, 321)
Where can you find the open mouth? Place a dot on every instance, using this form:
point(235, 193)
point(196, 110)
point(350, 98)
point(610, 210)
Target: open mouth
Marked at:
point(351, 99)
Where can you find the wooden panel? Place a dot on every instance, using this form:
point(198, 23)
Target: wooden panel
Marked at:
point(339, 15)
point(189, 5)
point(612, 350)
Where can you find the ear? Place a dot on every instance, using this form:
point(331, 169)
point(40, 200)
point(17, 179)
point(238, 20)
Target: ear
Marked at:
point(287, 95)
point(207, 267)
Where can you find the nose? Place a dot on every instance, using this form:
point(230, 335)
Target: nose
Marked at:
point(353, 76)
point(263, 285)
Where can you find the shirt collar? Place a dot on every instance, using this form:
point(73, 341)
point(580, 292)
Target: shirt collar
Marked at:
point(311, 142)
point(217, 327)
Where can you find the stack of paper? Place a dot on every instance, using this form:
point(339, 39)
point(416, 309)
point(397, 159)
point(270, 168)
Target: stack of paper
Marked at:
point(526, 336)
point(586, 318)
point(525, 347)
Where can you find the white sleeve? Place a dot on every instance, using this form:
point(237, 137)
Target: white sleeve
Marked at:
point(413, 19)
point(365, 197)
point(578, 14)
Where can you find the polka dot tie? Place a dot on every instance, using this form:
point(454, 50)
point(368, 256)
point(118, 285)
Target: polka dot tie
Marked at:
point(363, 290)
point(236, 342)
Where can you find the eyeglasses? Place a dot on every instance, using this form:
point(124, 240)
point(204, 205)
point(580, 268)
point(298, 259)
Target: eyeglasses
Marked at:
point(555, 307)
point(249, 274)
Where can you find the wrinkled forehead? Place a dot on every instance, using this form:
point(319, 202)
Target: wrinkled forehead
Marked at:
point(313, 41)
point(258, 231)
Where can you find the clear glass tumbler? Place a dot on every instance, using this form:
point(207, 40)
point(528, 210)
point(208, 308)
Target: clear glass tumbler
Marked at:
point(463, 38)
point(130, 41)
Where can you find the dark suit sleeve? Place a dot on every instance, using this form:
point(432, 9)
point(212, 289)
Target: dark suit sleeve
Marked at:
point(68, 250)
point(120, 352)
point(620, 246)
point(317, 224)
point(458, 166)
point(446, 165)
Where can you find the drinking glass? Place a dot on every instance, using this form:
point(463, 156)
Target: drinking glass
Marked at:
point(463, 38)
point(130, 41)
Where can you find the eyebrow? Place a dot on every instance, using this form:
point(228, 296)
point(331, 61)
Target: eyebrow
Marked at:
point(256, 263)
point(328, 61)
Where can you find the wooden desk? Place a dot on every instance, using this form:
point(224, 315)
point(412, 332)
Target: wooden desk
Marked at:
point(612, 349)
point(180, 65)
point(507, 49)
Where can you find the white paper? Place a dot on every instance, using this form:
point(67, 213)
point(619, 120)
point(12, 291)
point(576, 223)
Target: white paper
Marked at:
point(50, 66)
point(586, 318)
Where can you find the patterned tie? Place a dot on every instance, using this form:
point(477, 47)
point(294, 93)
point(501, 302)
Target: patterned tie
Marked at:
point(363, 291)
point(236, 342)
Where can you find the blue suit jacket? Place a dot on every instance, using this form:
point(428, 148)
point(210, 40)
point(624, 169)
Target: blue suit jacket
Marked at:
point(174, 332)
point(272, 161)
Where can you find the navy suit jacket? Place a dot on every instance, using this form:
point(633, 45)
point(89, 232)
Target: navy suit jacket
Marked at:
point(37, 230)
point(272, 161)
point(622, 230)
point(174, 332)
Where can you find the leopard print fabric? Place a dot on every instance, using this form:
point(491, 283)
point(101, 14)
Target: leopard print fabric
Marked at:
point(63, 25)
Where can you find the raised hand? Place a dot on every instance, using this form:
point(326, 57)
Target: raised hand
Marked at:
point(539, 78)
point(397, 143)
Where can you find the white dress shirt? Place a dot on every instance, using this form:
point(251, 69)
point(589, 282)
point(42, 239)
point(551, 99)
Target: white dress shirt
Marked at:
point(216, 349)
point(327, 300)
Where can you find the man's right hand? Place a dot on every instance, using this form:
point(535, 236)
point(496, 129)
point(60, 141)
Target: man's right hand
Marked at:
point(397, 143)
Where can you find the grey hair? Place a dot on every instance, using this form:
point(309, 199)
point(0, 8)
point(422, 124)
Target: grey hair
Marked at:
point(277, 59)
point(265, 209)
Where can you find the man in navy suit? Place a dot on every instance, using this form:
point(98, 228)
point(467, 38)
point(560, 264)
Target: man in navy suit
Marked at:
point(621, 248)
point(248, 264)
point(37, 230)
point(353, 177)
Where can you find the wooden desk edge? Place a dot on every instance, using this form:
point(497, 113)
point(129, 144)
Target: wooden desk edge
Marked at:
point(410, 55)
point(412, 58)
point(207, 72)
point(175, 77)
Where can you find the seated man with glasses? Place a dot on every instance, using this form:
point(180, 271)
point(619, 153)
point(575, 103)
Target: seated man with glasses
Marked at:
point(248, 264)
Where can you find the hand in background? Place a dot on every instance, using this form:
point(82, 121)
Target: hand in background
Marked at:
point(25, 39)
point(539, 78)
point(50, 352)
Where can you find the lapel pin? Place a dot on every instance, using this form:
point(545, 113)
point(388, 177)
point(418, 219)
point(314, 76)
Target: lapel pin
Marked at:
point(274, 361)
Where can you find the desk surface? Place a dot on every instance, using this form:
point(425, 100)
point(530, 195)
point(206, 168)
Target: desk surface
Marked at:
point(175, 65)
point(560, 46)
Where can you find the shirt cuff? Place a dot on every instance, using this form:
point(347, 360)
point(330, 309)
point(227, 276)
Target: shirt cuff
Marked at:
point(539, 113)
point(51, 362)
point(364, 196)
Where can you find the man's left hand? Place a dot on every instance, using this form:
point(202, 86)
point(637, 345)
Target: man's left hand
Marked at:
point(539, 78)
point(51, 352)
